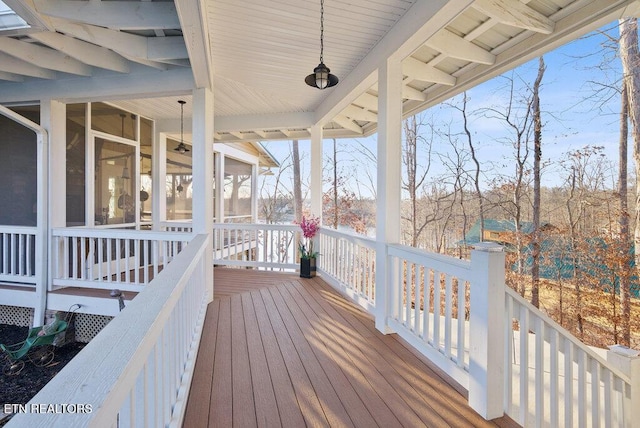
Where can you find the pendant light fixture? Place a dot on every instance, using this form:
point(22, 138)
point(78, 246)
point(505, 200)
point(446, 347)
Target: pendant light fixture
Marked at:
point(321, 77)
point(182, 148)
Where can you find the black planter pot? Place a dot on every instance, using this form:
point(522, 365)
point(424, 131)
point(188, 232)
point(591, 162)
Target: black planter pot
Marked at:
point(308, 268)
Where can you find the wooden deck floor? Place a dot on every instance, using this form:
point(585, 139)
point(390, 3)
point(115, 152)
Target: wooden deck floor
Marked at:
point(285, 351)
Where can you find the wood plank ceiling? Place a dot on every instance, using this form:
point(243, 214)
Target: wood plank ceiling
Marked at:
point(136, 52)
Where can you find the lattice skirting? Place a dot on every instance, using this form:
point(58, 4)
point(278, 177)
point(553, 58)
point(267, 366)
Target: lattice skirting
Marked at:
point(87, 325)
point(16, 315)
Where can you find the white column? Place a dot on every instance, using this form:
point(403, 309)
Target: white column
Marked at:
point(255, 170)
point(52, 200)
point(389, 184)
point(202, 126)
point(158, 179)
point(622, 358)
point(486, 331)
point(316, 171)
point(220, 188)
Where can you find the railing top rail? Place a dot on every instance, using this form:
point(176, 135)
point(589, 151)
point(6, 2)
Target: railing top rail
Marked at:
point(120, 233)
point(106, 367)
point(350, 236)
point(417, 255)
point(256, 226)
point(18, 229)
point(566, 334)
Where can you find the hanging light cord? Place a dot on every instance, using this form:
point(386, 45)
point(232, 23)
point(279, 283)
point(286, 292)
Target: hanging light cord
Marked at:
point(321, 30)
point(181, 123)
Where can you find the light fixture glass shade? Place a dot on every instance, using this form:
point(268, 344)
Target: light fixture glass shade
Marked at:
point(125, 172)
point(321, 77)
point(182, 148)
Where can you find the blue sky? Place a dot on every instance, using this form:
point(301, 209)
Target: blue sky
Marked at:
point(573, 117)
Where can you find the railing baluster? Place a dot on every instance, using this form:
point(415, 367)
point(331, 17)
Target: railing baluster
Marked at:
point(437, 301)
point(524, 365)
point(447, 314)
point(568, 383)
point(554, 392)
point(595, 392)
point(539, 372)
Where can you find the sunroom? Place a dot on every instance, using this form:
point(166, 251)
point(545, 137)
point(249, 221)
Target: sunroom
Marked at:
point(240, 67)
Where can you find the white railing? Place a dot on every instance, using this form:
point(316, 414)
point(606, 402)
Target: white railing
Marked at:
point(185, 226)
point(552, 379)
point(347, 261)
point(509, 356)
point(138, 369)
point(18, 254)
point(430, 305)
point(269, 246)
point(123, 259)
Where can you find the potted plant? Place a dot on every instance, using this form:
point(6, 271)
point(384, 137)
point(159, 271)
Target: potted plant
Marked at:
point(310, 227)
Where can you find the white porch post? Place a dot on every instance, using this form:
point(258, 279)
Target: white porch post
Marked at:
point(51, 205)
point(316, 170)
point(158, 187)
point(486, 331)
point(203, 174)
point(255, 170)
point(389, 184)
point(629, 365)
point(219, 172)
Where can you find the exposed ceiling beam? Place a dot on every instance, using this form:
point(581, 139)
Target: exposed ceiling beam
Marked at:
point(418, 70)
point(456, 47)
point(10, 64)
point(264, 122)
point(195, 29)
point(347, 123)
point(120, 15)
point(286, 132)
point(142, 82)
point(43, 57)
point(237, 134)
point(410, 93)
point(10, 77)
point(357, 113)
point(515, 14)
point(82, 51)
point(148, 48)
point(262, 134)
point(367, 101)
point(27, 11)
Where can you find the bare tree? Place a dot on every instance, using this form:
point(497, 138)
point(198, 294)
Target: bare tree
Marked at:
point(623, 220)
point(297, 182)
point(537, 157)
point(630, 58)
point(416, 173)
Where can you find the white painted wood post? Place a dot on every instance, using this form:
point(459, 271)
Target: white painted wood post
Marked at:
point(202, 140)
point(316, 170)
point(629, 365)
point(389, 185)
point(158, 181)
point(219, 177)
point(486, 331)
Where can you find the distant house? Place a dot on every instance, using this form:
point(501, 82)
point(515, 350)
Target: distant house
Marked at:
point(500, 231)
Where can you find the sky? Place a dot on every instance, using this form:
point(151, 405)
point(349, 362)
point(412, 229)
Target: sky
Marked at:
point(576, 112)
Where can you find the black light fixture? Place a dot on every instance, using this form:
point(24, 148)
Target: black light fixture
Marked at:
point(321, 77)
point(182, 149)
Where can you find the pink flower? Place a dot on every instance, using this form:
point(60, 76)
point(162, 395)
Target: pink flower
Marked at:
point(310, 227)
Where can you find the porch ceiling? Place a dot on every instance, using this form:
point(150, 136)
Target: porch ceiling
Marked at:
point(256, 53)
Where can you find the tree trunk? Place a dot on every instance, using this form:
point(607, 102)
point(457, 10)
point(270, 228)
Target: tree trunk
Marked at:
point(631, 71)
point(537, 155)
point(625, 237)
point(297, 184)
point(476, 177)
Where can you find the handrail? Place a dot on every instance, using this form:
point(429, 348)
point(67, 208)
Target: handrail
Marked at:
point(138, 369)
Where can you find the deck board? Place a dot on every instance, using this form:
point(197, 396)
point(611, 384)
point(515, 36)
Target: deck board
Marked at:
point(278, 350)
